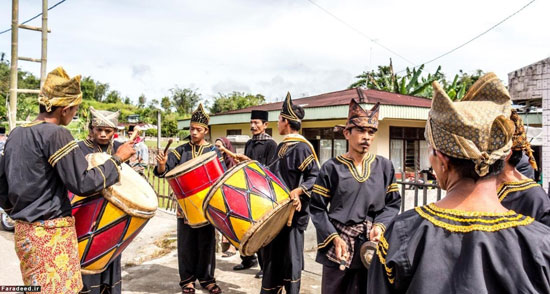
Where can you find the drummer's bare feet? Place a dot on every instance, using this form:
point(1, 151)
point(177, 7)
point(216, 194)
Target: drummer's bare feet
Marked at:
point(214, 289)
point(188, 289)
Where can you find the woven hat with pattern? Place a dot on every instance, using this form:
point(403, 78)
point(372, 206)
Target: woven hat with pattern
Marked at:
point(520, 141)
point(104, 118)
point(477, 127)
point(358, 117)
point(200, 117)
point(60, 90)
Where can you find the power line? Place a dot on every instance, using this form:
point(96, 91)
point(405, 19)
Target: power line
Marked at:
point(34, 17)
point(360, 32)
point(474, 38)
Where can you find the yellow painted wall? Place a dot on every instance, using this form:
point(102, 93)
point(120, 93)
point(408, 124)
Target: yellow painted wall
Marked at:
point(381, 144)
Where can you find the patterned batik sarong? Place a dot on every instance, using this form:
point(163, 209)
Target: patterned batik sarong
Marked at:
point(48, 255)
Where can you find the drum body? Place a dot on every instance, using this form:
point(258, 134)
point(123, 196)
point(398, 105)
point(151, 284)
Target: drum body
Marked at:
point(106, 223)
point(249, 205)
point(191, 181)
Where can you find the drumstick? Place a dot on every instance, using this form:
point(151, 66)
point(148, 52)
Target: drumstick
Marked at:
point(167, 146)
point(135, 133)
point(290, 216)
point(342, 264)
point(228, 152)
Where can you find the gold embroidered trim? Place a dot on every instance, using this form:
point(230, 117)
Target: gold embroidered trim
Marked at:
point(306, 162)
point(116, 167)
point(284, 149)
point(392, 188)
point(104, 180)
point(327, 241)
point(321, 191)
point(469, 213)
point(177, 154)
point(32, 124)
point(381, 226)
point(509, 187)
point(382, 252)
point(367, 161)
point(474, 227)
point(62, 152)
point(473, 220)
point(89, 143)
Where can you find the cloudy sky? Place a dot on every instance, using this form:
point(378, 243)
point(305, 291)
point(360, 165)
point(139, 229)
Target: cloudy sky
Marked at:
point(270, 47)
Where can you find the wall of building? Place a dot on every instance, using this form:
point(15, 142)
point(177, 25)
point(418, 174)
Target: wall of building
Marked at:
point(530, 82)
point(381, 144)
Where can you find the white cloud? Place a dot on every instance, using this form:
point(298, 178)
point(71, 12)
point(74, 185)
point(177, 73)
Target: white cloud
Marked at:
point(271, 47)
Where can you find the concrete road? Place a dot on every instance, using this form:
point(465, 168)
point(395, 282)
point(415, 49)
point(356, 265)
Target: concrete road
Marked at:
point(9, 271)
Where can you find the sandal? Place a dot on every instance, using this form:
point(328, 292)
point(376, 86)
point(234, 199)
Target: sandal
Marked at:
point(188, 289)
point(228, 253)
point(215, 289)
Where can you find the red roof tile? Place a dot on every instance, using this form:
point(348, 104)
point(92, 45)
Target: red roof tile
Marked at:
point(343, 97)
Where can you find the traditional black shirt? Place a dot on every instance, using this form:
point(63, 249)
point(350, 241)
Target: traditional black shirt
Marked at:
point(341, 193)
point(264, 151)
point(89, 146)
point(434, 250)
point(526, 197)
point(297, 166)
point(41, 162)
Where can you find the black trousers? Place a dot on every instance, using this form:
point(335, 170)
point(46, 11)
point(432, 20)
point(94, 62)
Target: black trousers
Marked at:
point(348, 281)
point(283, 262)
point(196, 254)
point(106, 282)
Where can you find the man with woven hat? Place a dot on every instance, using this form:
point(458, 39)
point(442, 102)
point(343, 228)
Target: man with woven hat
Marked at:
point(41, 161)
point(467, 242)
point(262, 149)
point(196, 246)
point(297, 166)
point(354, 199)
point(103, 125)
point(516, 191)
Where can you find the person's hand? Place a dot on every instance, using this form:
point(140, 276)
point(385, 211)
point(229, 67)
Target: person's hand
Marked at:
point(375, 233)
point(241, 157)
point(341, 248)
point(161, 161)
point(295, 196)
point(125, 151)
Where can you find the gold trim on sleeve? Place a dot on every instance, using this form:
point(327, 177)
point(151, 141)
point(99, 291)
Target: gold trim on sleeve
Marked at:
point(327, 241)
point(63, 151)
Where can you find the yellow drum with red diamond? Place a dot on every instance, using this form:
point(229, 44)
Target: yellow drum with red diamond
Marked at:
point(249, 205)
point(106, 223)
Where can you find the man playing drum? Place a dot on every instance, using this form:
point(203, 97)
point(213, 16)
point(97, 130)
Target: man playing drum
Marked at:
point(261, 148)
point(467, 242)
point(297, 166)
point(516, 191)
point(354, 198)
point(103, 126)
point(41, 161)
point(196, 246)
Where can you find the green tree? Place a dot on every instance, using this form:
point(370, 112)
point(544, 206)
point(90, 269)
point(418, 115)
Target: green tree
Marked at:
point(166, 104)
point(185, 100)
point(142, 100)
point(113, 97)
point(234, 101)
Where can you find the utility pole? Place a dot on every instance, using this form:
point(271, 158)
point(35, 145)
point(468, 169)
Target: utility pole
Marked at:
point(15, 26)
point(158, 129)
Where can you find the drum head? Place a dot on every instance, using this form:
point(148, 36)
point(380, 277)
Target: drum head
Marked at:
point(266, 229)
point(132, 193)
point(190, 164)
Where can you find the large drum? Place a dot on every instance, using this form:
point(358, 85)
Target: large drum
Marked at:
point(108, 222)
point(190, 182)
point(249, 206)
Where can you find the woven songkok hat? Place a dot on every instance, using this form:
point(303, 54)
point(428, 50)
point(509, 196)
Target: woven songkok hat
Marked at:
point(200, 117)
point(358, 117)
point(104, 118)
point(60, 90)
point(520, 141)
point(476, 128)
point(287, 111)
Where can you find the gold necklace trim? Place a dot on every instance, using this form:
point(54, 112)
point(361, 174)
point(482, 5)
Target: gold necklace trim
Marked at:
point(509, 187)
point(468, 213)
point(366, 163)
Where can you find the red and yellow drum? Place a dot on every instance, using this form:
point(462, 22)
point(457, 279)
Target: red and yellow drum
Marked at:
point(249, 206)
point(108, 222)
point(191, 181)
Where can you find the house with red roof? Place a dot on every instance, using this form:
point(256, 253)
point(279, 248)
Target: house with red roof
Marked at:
point(400, 135)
